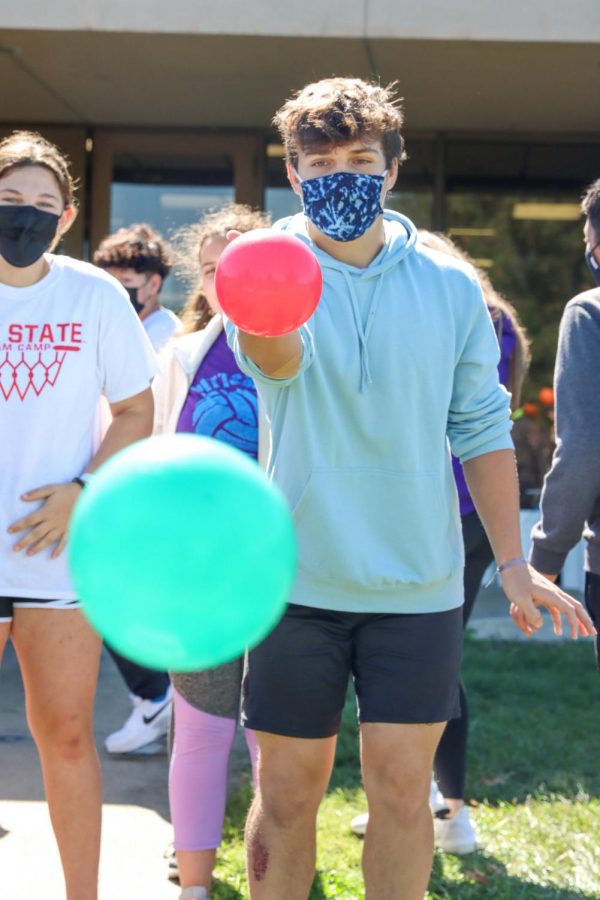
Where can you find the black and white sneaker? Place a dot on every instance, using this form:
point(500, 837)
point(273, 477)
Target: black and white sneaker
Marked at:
point(172, 866)
point(145, 727)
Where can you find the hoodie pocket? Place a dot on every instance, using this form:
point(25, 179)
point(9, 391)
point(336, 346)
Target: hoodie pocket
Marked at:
point(371, 528)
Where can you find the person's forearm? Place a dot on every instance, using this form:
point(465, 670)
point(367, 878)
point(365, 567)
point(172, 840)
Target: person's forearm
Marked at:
point(492, 480)
point(128, 425)
point(493, 483)
point(277, 357)
point(567, 501)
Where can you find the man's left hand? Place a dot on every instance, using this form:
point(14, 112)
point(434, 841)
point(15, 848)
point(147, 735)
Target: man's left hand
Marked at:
point(527, 589)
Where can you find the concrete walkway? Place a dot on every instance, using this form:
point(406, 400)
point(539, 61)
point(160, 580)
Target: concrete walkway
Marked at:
point(136, 819)
point(136, 826)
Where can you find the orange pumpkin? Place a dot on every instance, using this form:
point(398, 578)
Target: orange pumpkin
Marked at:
point(546, 396)
point(531, 410)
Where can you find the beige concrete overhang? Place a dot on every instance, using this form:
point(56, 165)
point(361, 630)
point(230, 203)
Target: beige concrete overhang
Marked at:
point(479, 20)
point(134, 78)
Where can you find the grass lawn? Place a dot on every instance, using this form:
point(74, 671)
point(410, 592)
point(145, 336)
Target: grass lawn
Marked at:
point(534, 782)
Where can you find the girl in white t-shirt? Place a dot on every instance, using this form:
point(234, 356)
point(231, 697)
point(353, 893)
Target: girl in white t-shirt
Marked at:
point(68, 335)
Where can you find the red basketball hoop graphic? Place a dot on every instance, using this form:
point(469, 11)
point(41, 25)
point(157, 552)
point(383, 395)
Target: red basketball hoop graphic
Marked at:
point(18, 375)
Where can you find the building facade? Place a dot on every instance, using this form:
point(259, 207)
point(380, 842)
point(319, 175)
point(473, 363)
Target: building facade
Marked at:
point(165, 111)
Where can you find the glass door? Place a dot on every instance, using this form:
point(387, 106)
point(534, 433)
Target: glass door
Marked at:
point(170, 180)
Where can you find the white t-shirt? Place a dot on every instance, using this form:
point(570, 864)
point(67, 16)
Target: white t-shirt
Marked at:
point(161, 325)
point(64, 342)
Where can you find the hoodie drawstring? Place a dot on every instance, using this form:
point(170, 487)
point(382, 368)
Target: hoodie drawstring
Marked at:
point(363, 332)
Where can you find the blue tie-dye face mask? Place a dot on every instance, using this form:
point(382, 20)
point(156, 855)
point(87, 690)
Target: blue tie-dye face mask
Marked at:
point(343, 205)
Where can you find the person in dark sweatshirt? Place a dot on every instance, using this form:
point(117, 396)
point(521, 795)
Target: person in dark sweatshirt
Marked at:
point(570, 503)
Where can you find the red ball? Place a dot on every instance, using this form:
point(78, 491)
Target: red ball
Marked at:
point(268, 283)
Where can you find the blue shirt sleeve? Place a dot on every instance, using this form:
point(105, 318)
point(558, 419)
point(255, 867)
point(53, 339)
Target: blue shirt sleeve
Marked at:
point(479, 416)
point(250, 368)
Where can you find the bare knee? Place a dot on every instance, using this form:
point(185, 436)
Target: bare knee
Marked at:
point(398, 793)
point(288, 793)
point(65, 735)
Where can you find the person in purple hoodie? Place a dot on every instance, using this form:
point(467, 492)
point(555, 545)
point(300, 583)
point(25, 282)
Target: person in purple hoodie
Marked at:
point(453, 829)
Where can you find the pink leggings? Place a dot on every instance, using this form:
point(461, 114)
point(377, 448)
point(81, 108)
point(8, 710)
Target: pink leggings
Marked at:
point(198, 775)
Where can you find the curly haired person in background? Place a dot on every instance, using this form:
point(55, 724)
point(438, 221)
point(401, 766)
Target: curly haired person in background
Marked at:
point(201, 390)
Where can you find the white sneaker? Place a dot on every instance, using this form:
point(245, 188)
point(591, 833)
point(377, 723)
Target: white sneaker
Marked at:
point(149, 721)
point(359, 823)
point(194, 893)
point(456, 835)
point(437, 803)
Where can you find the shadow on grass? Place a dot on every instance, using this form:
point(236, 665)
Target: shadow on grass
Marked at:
point(238, 804)
point(317, 891)
point(485, 876)
point(223, 891)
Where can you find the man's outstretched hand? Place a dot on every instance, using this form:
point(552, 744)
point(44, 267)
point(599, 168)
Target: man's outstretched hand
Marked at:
point(527, 590)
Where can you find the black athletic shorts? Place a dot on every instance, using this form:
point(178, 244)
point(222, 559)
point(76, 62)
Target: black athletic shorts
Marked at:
point(592, 601)
point(405, 669)
point(8, 604)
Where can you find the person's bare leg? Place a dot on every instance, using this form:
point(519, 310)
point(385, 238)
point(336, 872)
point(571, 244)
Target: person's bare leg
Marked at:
point(4, 636)
point(59, 654)
point(196, 867)
point(398, 851)
point(281, 828)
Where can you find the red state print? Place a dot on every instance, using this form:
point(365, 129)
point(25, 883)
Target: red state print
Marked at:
point(20, 376)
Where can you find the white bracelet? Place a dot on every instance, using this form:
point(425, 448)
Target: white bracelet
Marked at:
point(519, 561)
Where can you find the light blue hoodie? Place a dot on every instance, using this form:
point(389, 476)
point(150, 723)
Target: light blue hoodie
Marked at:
point(400, 363)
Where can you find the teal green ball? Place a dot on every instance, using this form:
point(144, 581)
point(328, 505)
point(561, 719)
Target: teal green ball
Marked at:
point(182, 553)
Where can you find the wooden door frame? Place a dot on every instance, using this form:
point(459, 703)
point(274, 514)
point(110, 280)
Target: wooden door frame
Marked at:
point(246, 150)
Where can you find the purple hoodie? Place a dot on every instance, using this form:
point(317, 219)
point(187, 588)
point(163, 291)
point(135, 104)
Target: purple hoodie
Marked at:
point(507, 340)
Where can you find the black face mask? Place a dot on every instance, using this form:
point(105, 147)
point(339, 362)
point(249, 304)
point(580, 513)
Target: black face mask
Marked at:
point(593, 265)
point(133, 292)
point(25, 234)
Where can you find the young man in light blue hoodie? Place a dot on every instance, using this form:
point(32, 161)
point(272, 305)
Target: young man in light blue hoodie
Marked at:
point(397, 366)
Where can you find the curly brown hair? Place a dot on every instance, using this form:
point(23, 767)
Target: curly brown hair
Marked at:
point(138, 247)
point(497, 305)
point(188, 241)
point(335, 111)
point(29, 148)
